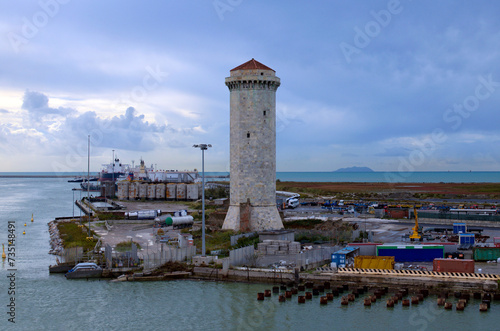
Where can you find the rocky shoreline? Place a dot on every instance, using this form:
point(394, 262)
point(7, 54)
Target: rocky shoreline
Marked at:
point(56, 243)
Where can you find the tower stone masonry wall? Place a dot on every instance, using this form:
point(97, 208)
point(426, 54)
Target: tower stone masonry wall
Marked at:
point(253, 147)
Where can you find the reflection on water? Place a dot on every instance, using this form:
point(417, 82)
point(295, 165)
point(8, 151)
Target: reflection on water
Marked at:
point(51, 302)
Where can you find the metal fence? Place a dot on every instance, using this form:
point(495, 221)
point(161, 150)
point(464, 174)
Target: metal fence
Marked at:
point(458, 216)
point(243, 256)
point(306, 259)
point(108, 254)
point(166, 254)
point(313, 256)
point(72, 254)
point(125, 259)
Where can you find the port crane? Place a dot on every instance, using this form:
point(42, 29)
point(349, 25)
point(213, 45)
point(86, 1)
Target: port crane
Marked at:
point(417, 232)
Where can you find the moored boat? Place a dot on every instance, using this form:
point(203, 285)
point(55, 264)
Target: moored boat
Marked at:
point(84, 270)
point(61, 268)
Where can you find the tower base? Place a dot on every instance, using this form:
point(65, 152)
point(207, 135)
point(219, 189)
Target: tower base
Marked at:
point(246, 218)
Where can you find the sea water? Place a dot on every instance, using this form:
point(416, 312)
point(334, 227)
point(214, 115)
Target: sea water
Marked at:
point(386, 177)
point(50, 302)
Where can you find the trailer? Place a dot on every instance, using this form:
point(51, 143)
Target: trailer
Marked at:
point(143, 214)
point(176, 222)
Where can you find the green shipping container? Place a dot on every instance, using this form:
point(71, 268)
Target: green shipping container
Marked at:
point(486, 253)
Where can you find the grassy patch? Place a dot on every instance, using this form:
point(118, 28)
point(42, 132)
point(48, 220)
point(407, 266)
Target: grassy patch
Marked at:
point(247, 241)
point(125, 246)
point(306, 237)
point(109, 216)
point(214, 240)
point(197, 205)
point(217, 192)
point(73, 236)
point(302, 224)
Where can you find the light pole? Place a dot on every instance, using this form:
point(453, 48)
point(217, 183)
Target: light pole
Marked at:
point(113, 166)
point(113, 190)
point(88, 180)
point(203, 148)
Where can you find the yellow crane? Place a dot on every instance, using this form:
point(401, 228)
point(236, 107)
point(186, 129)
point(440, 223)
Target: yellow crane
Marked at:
point(416, 235)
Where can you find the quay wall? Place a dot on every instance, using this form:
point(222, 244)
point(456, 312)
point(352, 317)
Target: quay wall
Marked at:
point(434, 285)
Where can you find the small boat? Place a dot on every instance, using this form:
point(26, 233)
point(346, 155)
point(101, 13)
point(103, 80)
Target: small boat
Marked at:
point(61, 267)
point(84, 270)
point(76, 180)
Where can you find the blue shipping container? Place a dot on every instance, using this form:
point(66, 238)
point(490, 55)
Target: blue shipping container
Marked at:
point(466, 238)
point(459, 228)
point(339, 260)
point(417, 253)
point(340, 257)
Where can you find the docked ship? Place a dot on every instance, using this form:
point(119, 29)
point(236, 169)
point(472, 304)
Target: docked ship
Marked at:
point(117, 171)
point(114, 170)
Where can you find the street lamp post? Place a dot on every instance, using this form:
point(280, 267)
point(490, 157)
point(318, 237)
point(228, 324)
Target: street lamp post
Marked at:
point(113, 166)
point(203, 148)
point(113, 190)
point(88, 181)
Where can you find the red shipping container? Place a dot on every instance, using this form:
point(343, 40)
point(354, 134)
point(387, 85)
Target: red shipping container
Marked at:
point(453, 265)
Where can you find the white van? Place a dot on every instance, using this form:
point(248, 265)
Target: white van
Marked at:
point(292, 203)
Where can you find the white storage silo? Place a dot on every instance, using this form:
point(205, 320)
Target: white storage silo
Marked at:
point(122, 190)
point(152, 191)
point(143, 190)
point(132, 191)
point(192, 192)
point(181, 191)
point(171, 191)
point(160, 191)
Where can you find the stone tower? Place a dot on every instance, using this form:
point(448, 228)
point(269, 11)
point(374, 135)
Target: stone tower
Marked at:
point(252, 88)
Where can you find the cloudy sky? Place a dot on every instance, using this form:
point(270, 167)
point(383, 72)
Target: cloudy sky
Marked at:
point(391, 85)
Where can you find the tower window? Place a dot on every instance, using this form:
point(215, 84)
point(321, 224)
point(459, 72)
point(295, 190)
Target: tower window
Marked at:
point(248, 134)
point(264, 113)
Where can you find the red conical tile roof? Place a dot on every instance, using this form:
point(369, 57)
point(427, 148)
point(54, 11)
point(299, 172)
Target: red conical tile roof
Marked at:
point(252, 64)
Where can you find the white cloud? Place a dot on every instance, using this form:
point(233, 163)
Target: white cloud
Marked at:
point(92, 59)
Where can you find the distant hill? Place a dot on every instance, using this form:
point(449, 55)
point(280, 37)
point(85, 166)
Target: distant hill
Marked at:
point(354, 169)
